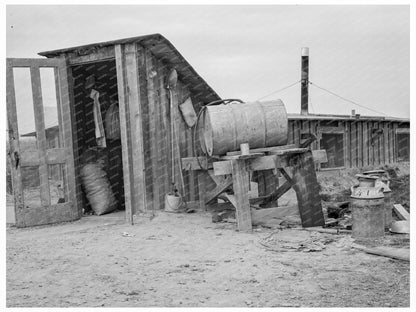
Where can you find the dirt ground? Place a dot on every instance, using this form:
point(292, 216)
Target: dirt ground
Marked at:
point(185, 260)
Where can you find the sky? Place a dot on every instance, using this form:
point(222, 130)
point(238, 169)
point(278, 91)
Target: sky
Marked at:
point(361, 53)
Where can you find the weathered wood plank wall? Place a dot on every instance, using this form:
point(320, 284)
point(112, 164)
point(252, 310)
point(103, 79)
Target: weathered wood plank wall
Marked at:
point(155, 108)
point(362, 146)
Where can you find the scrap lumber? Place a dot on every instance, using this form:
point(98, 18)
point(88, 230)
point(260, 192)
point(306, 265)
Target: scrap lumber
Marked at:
point(385, 251)
point(258, 215)
point(273, 217)
point(401, 212)
point(324, 230)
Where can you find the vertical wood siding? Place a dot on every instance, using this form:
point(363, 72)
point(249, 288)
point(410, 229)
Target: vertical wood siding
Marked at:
point(362, 146)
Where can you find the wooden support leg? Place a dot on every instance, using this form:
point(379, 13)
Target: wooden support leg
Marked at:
point(241, 189)
point(201, 190)
point(306, 186)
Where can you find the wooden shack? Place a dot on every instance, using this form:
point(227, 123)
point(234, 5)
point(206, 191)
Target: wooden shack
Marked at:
point(133, 71)
point(354, 141)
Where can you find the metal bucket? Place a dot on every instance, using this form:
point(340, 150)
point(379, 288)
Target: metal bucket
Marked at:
point(260, 124)
point(368, 214)
point(173, 203)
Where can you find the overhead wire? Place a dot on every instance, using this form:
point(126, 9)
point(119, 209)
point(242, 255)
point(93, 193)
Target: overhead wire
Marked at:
point(279, 90)
point(345, 99)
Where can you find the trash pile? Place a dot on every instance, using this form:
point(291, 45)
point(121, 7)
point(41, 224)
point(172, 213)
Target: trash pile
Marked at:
point(297, 240)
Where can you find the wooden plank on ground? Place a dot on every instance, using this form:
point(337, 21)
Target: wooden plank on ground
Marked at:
point(260, 215)
point(385, 251)
point(401, 212)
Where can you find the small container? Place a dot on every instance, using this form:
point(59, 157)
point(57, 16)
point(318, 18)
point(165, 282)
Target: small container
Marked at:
point(368, 216)
point(173, 202)
point(383, 181)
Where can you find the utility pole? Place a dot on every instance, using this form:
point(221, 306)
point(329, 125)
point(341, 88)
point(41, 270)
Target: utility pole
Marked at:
point(304, 81)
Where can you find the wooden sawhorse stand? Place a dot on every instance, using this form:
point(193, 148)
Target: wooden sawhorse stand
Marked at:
point(236, 171)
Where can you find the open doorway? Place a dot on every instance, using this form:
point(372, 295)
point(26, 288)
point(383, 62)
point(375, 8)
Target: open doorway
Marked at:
point(100, 76)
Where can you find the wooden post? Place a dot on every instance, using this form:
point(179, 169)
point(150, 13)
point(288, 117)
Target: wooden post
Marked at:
point(241, 189)
point(201, 189)
point(126, 140)
point(304, 81)
point(306, 187)
point(136, 129)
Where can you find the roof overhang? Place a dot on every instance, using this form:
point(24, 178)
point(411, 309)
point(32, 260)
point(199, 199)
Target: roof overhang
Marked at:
point(164, 51)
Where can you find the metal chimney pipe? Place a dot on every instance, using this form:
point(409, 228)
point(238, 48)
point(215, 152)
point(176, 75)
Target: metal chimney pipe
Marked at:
point(304, 81)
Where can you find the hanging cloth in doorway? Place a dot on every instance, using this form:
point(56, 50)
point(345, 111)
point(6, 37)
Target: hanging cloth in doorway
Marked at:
point(98, 120)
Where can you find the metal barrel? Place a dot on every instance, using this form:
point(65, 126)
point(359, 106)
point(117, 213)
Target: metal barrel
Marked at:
point(368, 214)
point(260, 124)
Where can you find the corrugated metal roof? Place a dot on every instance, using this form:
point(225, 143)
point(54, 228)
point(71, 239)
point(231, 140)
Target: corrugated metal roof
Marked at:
point(343, 117)
point(163, 50)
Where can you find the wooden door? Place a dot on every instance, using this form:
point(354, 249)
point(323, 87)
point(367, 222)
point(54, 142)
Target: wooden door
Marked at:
point(38, 113)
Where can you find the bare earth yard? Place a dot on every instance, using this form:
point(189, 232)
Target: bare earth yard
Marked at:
point(186, 260)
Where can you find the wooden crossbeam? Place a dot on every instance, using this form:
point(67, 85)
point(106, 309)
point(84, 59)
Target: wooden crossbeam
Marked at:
point(260, 163)
point(264, 149)
point(219, 188)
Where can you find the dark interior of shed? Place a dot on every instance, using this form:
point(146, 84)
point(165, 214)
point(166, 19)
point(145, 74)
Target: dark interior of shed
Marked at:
point(105, 77)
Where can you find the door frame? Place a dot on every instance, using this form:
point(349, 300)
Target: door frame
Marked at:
point(47, 213)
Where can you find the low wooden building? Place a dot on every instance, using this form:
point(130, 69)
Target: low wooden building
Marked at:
point(133, 71)
point(354, 141)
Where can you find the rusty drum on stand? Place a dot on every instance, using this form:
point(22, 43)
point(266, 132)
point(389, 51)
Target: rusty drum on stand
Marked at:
point(260, 124)
point(368, 215)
